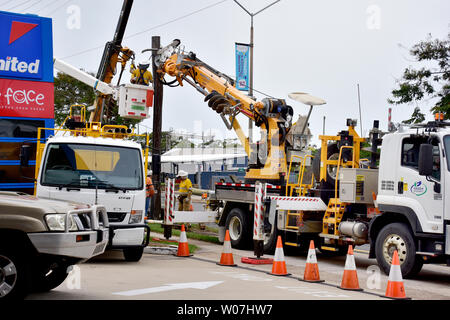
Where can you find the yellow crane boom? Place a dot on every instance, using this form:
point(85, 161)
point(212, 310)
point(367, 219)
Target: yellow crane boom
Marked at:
point(267, 157)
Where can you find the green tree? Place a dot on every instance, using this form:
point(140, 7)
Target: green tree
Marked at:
point(430, 81)
point(69, 91)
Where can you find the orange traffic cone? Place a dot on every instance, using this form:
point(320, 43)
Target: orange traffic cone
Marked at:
point(183, 248)
point(395, 288)
point(227, 257)
point(279, 265)
point(311, 269)
point(350, 277)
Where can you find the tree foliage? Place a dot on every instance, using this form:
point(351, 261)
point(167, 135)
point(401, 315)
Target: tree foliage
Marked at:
point(69, 91)
point(430, 81)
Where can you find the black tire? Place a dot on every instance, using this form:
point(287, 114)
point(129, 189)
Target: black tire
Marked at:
point(332, 151)
point(270, 242)
point(133, 254)
point(398, 236)
point(238, 225)
point(14, 275)
point(44, 281)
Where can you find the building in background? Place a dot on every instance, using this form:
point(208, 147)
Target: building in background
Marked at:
point(206, 166)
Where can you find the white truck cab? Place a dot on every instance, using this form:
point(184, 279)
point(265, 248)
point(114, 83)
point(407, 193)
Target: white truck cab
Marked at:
point(100, 170)
point(413, 196)
point(403, 189)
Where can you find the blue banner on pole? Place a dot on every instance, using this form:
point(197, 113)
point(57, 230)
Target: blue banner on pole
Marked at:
point(242, 66)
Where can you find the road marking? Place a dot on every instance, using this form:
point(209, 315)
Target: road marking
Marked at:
point(361, 251)
point(242, 276)
point(169, 287)
point(312, 292)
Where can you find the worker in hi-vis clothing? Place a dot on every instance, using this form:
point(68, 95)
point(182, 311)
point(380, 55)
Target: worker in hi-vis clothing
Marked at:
point(185, 192)
point(141, 75)
point(150, 192)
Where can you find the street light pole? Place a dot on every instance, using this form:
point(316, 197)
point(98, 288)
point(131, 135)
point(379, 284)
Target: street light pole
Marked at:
point(250, 90)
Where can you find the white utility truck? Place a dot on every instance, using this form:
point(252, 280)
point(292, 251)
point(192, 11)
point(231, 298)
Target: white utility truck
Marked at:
point(100, 164)
point(399, 203)
point(100, 170)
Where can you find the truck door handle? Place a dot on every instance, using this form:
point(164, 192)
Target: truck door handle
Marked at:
point(400, 187)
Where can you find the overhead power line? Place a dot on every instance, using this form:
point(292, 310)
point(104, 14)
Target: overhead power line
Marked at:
point(150, 29)
point(30, 6)
point(18, 5)
point(176, 19)
point(6, 2)
point(46, 6)
point(57, 8)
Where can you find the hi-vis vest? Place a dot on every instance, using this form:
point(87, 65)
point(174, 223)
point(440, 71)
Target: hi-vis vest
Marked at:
point(185, 186)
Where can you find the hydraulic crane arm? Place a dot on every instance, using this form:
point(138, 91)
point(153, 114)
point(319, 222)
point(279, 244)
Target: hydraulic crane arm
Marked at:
point(100, 86)
point(273, 116)
point(113, 54)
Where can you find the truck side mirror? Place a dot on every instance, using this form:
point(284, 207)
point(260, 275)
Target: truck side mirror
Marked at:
point(25, 152)
point(426, 159)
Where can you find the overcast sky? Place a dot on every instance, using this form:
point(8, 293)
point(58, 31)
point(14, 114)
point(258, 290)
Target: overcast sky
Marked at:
point(323, 47)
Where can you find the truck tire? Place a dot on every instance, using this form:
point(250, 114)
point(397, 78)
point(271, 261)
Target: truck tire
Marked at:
point(238, 225)
point(332, 153)
point(14, 275)
point(270, 241)
point(43, 281)
point(398, 236)
point(133, 254)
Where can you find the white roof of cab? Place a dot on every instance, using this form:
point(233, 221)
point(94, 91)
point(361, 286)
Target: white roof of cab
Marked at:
point(95, 140)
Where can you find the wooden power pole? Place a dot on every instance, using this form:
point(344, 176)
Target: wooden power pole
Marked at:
point(157, 127)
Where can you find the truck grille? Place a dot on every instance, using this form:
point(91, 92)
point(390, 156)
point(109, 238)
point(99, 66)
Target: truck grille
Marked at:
point(83, 221)
point(116, 216)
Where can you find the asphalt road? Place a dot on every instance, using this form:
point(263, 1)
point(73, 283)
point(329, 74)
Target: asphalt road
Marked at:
point(162, 277)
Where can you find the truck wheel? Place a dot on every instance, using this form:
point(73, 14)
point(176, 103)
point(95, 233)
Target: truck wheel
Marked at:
point(43, 281)
point(14, 275)
point(397, 236)
point(332, 154)
point(239, 228)
point(133, 254)
point(270, 239)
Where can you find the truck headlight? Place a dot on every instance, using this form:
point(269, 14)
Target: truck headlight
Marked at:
point(136, 216)
point(57, 222)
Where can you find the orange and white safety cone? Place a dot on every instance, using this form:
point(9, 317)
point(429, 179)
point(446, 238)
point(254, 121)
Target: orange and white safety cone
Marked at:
point(279, 265)
point(395, 288)
point(226, 259)
point(311, 273)
point(350, 277)
point(183, 248)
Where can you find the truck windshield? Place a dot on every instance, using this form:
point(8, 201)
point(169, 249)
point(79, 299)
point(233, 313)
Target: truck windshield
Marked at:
point(447, 150)
point(92, 166)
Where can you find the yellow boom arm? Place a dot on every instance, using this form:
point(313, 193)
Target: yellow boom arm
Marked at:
point(268, 157)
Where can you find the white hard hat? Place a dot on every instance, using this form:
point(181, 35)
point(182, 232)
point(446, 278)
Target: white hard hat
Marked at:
point(182, 173)
point(144, 64)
